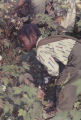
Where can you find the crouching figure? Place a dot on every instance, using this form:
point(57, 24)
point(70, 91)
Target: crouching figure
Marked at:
point(50, 52)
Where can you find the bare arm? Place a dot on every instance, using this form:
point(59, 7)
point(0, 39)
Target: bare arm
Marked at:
point(48, 61)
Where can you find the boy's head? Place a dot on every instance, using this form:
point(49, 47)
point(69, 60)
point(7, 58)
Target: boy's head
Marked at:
point(28, 35)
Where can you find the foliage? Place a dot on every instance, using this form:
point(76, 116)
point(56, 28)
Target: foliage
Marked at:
point(18, 97)
point(71, 115)
point(61, 116)
point(47, 25)
point(21, 99)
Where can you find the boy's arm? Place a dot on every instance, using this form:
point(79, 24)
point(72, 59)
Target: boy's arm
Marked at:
point(48, 61)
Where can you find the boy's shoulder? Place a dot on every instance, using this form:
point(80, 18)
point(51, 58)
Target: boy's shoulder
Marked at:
point(54, 38)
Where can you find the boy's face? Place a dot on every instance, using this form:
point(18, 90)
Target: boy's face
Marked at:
point(26, 43)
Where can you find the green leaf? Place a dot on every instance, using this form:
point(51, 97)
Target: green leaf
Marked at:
point(1, 5)
point(8, 107)
point(79, 23)
point(61, 116)
point(17, 90)
point(31, 91)
point(22, 112)
point(5, 80)
point(77, 83)
point(1, 89)
point(35, 111)
point(27, 100)
point(13, 70)
point(6, 44)
point(29, 95)
point(76, 114)
point(16, 100)
point(26, 65)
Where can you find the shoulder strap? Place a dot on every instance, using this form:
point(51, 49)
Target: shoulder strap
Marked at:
point(54, 39)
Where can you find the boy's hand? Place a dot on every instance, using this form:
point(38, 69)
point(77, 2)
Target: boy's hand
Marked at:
point(40, 94)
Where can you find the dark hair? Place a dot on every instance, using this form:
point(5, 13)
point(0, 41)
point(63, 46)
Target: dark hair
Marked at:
point(27, 29)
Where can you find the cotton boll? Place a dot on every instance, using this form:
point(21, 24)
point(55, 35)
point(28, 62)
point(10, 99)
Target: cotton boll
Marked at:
point(4, 88)
point(0, 57)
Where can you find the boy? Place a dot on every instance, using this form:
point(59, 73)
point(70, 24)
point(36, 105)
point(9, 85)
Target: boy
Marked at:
point(51, 51)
